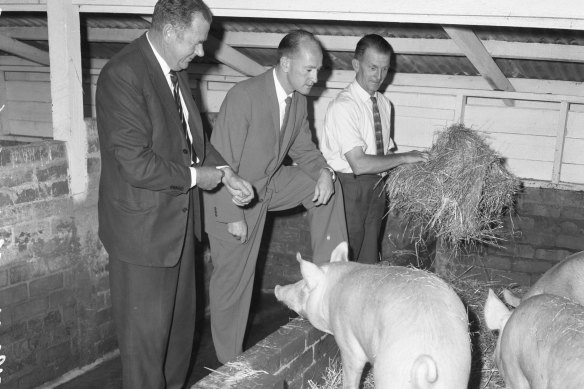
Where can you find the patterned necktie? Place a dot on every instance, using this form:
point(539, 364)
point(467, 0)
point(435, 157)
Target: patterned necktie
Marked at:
point(176, 94)
point(377, 126)
point(286, 113)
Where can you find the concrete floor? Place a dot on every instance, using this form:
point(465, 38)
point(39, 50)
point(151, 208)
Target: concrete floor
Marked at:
point(267, 316)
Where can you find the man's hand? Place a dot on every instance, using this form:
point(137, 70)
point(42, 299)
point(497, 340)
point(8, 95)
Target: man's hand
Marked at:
point(208, 177)
point(238, 230)
point(324, 189)
point(416, 156)
point(240, 189)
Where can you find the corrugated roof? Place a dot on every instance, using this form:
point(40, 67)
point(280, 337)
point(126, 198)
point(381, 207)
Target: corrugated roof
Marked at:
point(338, 60)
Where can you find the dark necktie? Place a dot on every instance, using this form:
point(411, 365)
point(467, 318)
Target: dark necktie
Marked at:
point(176, 94)
point(377, 126)
point(286, 113)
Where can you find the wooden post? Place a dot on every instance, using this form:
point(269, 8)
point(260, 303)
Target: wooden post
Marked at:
point(67, 90)
point(560, 140)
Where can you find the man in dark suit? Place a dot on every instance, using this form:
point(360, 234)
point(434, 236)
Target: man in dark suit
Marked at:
point(262, 120)
point(154, 162)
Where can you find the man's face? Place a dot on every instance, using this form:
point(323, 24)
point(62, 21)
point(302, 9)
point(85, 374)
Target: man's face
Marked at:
point(371, 69)
point(183, 46)
point(302, 69)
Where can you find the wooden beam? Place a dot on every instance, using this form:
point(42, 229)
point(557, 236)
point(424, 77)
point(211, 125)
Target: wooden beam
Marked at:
point(472, 46)
point(560, 141)
point(560, 14)
point(66, 90)
point(13, 46)
point(233, 58)
point(415, 46)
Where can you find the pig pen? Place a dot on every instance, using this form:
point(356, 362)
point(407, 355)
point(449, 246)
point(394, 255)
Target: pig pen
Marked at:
point(298, 356)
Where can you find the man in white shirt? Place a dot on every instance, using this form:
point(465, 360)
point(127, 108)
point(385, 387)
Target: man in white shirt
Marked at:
point(356, 143)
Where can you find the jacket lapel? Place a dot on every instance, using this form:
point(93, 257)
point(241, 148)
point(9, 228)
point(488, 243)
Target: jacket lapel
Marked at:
point(195, 123)
point(159, 80)
point(167, 99)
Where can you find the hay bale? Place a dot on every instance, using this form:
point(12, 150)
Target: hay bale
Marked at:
point(460, 195)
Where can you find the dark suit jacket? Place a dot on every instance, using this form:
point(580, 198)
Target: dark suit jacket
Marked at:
point(247, 134)
point(145, 180)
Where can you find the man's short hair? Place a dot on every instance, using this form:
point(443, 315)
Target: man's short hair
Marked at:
point(372, 41)
point(178, 13)
point(290, 44)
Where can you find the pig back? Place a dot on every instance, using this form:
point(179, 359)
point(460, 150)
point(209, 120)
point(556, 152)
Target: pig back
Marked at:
point(399, 314)
point(565, 279)
point(543, 341)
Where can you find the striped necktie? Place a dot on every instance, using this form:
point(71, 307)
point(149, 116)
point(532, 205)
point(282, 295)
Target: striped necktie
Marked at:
point(176, 94)
point(377, 126)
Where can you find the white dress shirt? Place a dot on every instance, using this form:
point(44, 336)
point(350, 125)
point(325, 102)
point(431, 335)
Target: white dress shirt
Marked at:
point(349, 123)
point(281, 95)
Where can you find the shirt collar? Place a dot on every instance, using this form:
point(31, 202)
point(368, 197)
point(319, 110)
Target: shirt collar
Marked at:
point(280, 92)
point(360, 92)
point(165, 68)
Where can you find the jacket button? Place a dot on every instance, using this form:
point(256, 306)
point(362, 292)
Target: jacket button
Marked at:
point(185, 209)
point(185, 151)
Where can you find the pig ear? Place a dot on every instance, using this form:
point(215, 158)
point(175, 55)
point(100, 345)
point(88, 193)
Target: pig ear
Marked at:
point(340, 253)
point(311, 273)
point(496, 313)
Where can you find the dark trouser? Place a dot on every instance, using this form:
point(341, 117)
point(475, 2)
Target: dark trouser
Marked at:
point(154, 312)
point(231, 285)
point(364, 210)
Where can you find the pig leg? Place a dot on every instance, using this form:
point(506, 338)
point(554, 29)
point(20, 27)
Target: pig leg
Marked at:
point(352, 369)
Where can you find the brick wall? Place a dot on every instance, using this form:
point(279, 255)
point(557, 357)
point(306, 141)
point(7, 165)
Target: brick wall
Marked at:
point(548, 226)
point(288, 358)
point(54, 291)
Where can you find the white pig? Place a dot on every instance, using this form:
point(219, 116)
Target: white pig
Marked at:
point(541, 343)
point(566, 279)
point(408, 323)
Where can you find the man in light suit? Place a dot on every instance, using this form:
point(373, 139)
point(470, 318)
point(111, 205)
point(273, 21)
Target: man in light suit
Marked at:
point(255, 129)
point(154, 162)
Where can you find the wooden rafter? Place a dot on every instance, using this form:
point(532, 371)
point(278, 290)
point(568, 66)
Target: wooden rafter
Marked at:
point(478, 55)
point(416, 46)
point(13, 46)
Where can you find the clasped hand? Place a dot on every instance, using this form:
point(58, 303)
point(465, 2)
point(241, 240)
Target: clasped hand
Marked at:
point(209, 177)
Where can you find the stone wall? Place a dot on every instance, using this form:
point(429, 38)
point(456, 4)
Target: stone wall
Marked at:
point(54, 291)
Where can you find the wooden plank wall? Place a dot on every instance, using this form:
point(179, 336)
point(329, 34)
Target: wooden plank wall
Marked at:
point(27, 99)
point(573, 158)
point(525, 134)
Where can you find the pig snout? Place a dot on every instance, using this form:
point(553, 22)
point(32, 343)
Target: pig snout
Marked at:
point(541, 342)
point(292, 296)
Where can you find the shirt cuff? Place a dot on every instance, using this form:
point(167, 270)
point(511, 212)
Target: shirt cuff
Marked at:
point(193, 176)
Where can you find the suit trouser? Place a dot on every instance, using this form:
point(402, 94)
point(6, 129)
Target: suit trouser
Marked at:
point(231, 285)
point(364, 208)
point(154, 312)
